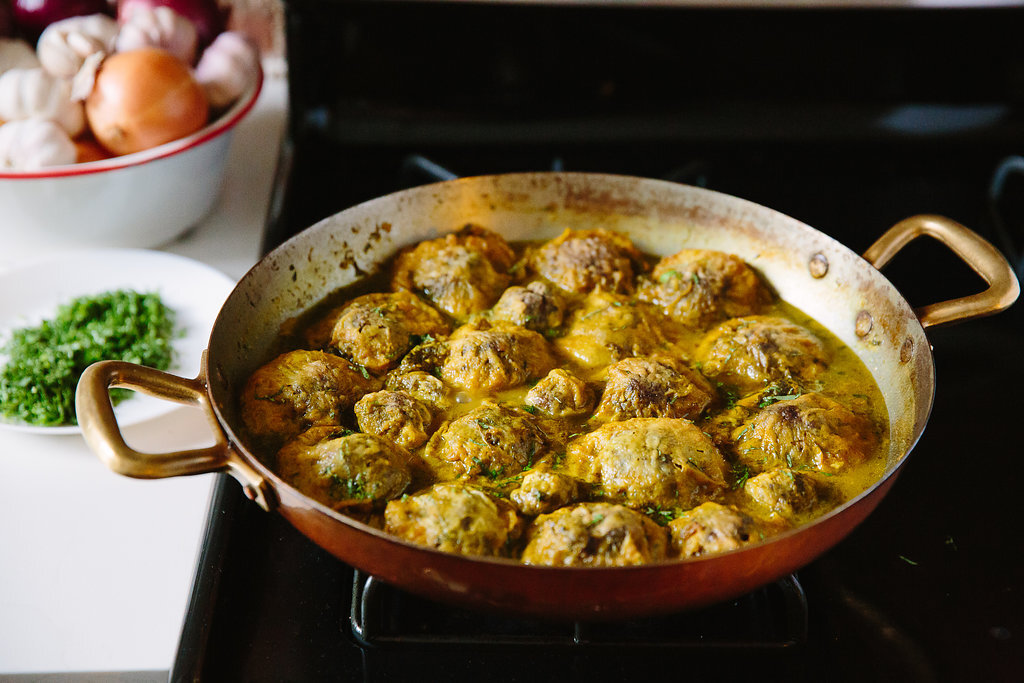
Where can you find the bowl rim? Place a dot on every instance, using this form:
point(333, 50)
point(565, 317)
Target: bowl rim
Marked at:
point(221, 125)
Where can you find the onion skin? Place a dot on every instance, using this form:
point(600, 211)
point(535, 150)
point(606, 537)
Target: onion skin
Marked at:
point(89, 150)
point(144, 98)
point(32, 16)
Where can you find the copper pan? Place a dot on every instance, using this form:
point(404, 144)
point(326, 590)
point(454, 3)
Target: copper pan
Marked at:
point(842, 290)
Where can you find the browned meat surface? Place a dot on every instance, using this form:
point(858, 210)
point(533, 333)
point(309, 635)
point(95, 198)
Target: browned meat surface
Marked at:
point(456, 519)
point(569, 388)
point(461, 273)
point(494, 441)
point(786, 494)
point(810, 431)
point(376, 330)
point(711, 528)
point(609, 327)
point(587, 260)
point(422, 386)
point(299, 389)
point(594, 535)
point(561, 394)
point(660, 386)
point(344, 469)
point(486, 359)
point(699, 287)
point(536, 306)
point(648, 462)
point(396, 416)
point(427, 356)
point(754, 351)
point(543, 491)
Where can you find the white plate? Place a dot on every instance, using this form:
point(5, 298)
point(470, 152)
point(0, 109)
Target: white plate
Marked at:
point(193, 290)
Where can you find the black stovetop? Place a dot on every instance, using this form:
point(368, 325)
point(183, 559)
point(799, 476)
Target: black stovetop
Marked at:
point(928, 588)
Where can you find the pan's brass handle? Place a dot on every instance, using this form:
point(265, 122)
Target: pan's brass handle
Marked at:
point(974, 250)
point(102, 433)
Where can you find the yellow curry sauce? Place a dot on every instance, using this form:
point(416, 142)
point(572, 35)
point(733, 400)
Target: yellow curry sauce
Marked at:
point(571, 402)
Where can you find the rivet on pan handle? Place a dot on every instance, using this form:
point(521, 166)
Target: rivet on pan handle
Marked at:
point(975, 251)
point(102, 433)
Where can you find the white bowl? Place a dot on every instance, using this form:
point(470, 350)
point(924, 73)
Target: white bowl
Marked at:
point(142, 200)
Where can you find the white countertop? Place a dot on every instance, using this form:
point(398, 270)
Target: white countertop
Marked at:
point(96, 568)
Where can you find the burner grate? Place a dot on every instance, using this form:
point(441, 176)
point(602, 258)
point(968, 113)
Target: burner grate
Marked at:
point(773, 617)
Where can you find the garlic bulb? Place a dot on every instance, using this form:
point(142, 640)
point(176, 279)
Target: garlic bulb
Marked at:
point(16, 54)
point(64, 45)
point(159, 27)
point(227, 68)
point(35, 93)
point(32, 144)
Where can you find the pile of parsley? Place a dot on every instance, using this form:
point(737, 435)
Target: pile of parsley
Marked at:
point(44, 362)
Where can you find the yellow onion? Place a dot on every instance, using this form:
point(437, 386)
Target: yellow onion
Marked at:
point(143, 98)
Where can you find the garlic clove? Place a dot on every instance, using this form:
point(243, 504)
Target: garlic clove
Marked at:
point(35, 93)
point(16, 54)
point(227, 68)
point(65, 45)
point(159, 27)
point(31, 144)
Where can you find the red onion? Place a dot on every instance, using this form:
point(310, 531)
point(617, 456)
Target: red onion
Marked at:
point(32, 16)
point(206, 15)
point(6, 20)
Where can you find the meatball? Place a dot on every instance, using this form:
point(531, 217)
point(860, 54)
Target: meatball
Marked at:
point(484, 359)
point(594, 535)
point(455, 518)
point(536, 307)
point(711, 528)
point(700, 287)
point(653, 387)
point(785, 494)
point(543, 491)
point(609, 327)
point(649, 462)
point(345, 469)
point(810, 431)
point(427, 356)
point(561, 394)
point(750, 352)
point(299, 389)
point(493, 440)
point(422, 386)
point(375, 330)
point(586, 260)
point(462, 273)
point(396, 416)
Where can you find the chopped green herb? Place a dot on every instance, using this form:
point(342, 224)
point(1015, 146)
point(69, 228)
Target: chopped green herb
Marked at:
point(660, 515)
point(418, 339)
point(44, 362)
point(741, 474)
point(768, 400)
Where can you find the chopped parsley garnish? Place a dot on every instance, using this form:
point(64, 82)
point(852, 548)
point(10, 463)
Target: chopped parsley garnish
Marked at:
point(741, 474)
point(660, 515)
point(44, 362)
point(776, 393)
point(349, 488)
